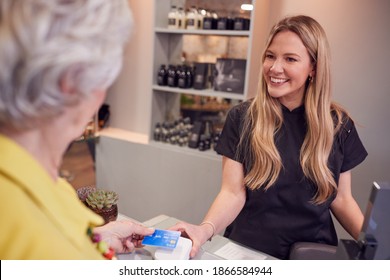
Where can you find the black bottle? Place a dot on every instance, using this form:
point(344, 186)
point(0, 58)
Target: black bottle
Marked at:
point(157, 132)
point(172, 78)
point(177, 74)
point(182, 77)
point(196, 131)
point(162, 76)
point(190, 77)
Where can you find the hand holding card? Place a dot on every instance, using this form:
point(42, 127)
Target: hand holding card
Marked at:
point(162, 238)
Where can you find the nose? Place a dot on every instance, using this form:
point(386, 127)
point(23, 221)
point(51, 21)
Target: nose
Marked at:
point(277, 66)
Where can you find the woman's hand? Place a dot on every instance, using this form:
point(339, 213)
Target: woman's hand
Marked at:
point(123, 236)
point(198, 234)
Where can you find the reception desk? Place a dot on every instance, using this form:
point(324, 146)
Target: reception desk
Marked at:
point(219, 248)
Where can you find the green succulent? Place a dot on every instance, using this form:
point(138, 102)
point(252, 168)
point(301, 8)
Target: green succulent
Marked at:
point(102, 199)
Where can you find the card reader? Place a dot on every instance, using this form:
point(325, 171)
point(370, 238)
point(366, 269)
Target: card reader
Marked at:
point(181, 252)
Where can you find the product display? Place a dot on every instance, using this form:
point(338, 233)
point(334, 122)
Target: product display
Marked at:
point(241, 23)
point(210, 21)
point(201, 75)
point(187, 81)
point(199, 18)
point(175, 133)
point(181, 132)
point(181, 76)
point(229, 75)
point(225, 23)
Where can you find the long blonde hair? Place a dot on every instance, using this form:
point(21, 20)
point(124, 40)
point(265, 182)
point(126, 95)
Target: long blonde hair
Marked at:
point(264, 117)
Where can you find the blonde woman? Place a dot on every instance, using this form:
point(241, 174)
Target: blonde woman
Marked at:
point(287, 154)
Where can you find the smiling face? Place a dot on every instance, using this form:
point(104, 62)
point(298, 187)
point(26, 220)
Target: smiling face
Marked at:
point(286, 68)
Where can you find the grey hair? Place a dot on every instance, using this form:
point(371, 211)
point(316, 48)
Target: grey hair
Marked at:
point(44, 40)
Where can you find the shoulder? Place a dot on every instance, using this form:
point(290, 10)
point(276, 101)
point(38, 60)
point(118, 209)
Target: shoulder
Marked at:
point(342, 120)
point(18, 224)
point(238, 112)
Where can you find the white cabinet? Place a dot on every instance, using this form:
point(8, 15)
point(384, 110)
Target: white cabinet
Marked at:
point(170, 44)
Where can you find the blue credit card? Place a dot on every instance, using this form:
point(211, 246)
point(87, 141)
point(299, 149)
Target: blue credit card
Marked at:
point(162, 238)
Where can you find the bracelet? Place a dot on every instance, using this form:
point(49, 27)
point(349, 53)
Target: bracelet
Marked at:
point(101, 245)
point(213, 227)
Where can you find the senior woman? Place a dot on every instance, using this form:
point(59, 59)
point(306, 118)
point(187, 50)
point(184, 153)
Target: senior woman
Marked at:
point(57, 59)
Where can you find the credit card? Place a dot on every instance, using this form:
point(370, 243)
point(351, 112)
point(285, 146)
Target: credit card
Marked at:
point(162, 238)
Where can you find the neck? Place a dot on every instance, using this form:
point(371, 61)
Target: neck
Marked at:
point(46, 149)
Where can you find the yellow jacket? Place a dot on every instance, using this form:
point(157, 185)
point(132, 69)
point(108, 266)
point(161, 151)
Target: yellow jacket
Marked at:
point(40, 218)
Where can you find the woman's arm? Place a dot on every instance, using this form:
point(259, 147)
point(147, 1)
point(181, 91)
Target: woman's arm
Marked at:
point(345, 208)
point(224, 209)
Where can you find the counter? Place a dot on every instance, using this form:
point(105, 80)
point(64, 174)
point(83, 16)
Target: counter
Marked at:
point(219, 248)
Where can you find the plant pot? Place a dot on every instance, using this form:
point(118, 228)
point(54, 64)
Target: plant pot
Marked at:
point(83, 192)
point(108, 215)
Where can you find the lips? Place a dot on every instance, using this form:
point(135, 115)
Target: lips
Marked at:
point(278, 80)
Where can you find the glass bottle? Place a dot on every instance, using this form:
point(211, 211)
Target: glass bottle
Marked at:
point(173, 18)
point(192, 18)
point(181, 17)
point(201, 15)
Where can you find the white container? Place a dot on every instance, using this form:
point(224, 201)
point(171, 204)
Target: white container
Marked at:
point(181, 18)
point(173, 22)
point(192, 18)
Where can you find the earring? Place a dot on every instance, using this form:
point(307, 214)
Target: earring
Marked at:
point(310, 79)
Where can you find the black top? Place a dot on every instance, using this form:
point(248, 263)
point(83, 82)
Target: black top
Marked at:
point(271, 221)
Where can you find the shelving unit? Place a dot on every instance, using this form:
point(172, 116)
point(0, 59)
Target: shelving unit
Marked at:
point(154, 177)
point(202, 32)
point(168, 49)
point(204, 92)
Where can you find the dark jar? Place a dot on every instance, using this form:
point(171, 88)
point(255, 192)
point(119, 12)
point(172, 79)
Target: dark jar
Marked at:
point(162, 76)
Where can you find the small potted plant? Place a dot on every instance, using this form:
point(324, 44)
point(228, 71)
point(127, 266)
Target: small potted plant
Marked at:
point(104, 203)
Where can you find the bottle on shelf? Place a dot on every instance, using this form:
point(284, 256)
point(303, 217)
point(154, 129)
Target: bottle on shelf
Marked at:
point(181, 16)
point(182, 77)
point(201, 14)
point(162, 76)
point(196, 131)
point(205, 138)
point(172, 78)
point(173, 22)
point(192, 18)
point(190, 77)
point(210, 20)
point(157, 132)
point(214, 17)
point(177, 74)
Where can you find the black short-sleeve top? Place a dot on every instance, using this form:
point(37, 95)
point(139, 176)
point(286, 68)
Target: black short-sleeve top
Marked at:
point(271, 221)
